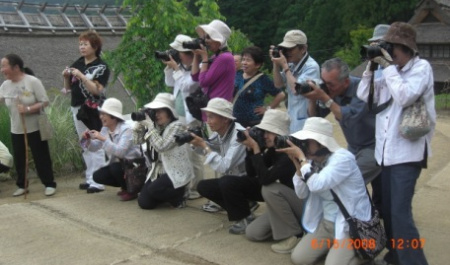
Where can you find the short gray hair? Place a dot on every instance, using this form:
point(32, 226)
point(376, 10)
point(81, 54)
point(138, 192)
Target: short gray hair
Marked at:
point(338, 64)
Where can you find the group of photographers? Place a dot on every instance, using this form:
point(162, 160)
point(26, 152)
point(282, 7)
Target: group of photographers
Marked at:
point(289, 160)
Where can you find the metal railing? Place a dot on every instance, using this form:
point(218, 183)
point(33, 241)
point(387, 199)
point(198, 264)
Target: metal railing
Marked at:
point(23, 17)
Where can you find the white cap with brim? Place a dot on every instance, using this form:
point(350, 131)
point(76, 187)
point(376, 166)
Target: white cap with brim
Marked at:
point(217, 31)
point(220, 107)
point(318, 129)
point(113, 107)
point(163, 100)
point(177, 44)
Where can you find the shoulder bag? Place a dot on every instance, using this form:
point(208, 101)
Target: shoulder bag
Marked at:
point(369, 237)
point(415, 120)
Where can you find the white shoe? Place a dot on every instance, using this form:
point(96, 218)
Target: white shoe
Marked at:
point(193, 195)
point(49, 191)
point(19, 192)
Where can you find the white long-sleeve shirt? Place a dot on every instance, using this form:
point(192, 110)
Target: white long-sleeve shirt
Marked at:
point(182, 82)
point(342, 175)
point(405, 86)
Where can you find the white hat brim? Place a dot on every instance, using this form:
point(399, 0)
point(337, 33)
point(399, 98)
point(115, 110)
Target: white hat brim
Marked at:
point(112, 113)
point(324, 140)
point(160, 105)
point(219, 112)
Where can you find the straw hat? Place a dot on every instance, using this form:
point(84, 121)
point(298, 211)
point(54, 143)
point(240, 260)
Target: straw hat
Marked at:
point(163, 100)
point(217, 31)
point(113, 107)
point(293, 38)
point(402, 33)
point(275, 121)
point(177, 44)
point(220, 107)
point(318, 129)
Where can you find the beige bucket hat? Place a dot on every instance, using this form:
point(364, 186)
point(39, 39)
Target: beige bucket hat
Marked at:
point(220, 107)
point(318, 129)
point(275, 121)
point(163, 100)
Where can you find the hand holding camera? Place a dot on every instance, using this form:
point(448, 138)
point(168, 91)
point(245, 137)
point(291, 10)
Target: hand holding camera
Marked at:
point(384, 60)
point(188, 136)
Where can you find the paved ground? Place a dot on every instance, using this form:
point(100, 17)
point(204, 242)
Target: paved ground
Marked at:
point(78, 228)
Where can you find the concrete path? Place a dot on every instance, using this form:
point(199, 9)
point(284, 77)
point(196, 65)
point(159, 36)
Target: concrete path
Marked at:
point(78, 228)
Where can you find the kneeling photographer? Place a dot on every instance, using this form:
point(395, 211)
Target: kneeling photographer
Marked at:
point(178, 76)
point(263, 167)
point(171, 170)
point(321, 168)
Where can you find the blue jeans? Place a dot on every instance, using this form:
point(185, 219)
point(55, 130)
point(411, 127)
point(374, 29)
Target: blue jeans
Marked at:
point(398, 184)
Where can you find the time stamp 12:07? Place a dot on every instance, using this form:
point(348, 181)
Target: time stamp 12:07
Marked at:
point(398, 243)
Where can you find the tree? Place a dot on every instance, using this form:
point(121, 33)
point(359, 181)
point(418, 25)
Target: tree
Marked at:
point(351, 53)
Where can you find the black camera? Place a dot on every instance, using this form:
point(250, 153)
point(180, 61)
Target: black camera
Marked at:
point(281, 142)
point(140, 114)
point(276, 50)
point(304, 87)
point(186, 137)
point(369, 52)
point(194, 44)
point(255, 133)
point(164, 55)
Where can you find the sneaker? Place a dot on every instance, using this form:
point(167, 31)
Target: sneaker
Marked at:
point(128, 196)
point(285, 246)
point(83, 186)
point(211, 207)
point(93, 190)
point(193, 195)
point(19, 192)
point(49, 191)
point(253, 206)
point(239, 227)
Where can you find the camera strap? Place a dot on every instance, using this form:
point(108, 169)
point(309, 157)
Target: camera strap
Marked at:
point(297, 69)
point(247, 84)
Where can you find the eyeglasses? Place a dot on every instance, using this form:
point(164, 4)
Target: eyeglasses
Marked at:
point(207, 37)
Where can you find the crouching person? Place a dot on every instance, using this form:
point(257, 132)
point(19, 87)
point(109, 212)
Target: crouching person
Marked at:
point(323, 166)
point(281, 221)
point(171, 169)
point(116, 139)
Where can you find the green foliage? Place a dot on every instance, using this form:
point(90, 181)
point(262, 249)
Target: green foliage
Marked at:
point(5, 126)
point(152, 28)
point(351, 53)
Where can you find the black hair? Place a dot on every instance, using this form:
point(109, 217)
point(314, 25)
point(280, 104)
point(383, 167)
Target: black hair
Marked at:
point(255, 52)
point(15, 60)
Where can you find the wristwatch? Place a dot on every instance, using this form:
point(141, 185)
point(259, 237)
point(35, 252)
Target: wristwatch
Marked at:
point(328, 103)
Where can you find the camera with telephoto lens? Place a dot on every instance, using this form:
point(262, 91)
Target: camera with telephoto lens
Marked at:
point(281, 142)
point(186, 137)
point(304, 87)
point(194, 44)
point(140, 114)
point(276, 50)
point(369, 52)
point(164, 55)
point(255, 133)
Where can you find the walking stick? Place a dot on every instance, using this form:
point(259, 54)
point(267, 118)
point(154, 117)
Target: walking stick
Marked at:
point(25, 138)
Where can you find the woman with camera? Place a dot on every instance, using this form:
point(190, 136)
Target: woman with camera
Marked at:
point(252, 86)
point(178, 76)
point(323, 166)
point(216, 74)
point(86, 79)
point(171, 169)
point(116, 140)
point(406, 78)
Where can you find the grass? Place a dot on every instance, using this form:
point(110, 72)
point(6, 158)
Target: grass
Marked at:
point(442, 101)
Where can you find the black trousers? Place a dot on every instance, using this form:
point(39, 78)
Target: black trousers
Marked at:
point(232, 193)
point(159, 191)
point(41, 155)
point(111, 175)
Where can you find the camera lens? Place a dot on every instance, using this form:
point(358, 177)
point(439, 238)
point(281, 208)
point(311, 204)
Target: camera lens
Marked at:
point(241, 136)
point(138, 116)
point(303, 88)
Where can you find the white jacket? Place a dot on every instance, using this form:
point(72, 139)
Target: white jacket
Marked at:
point(342, 175)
